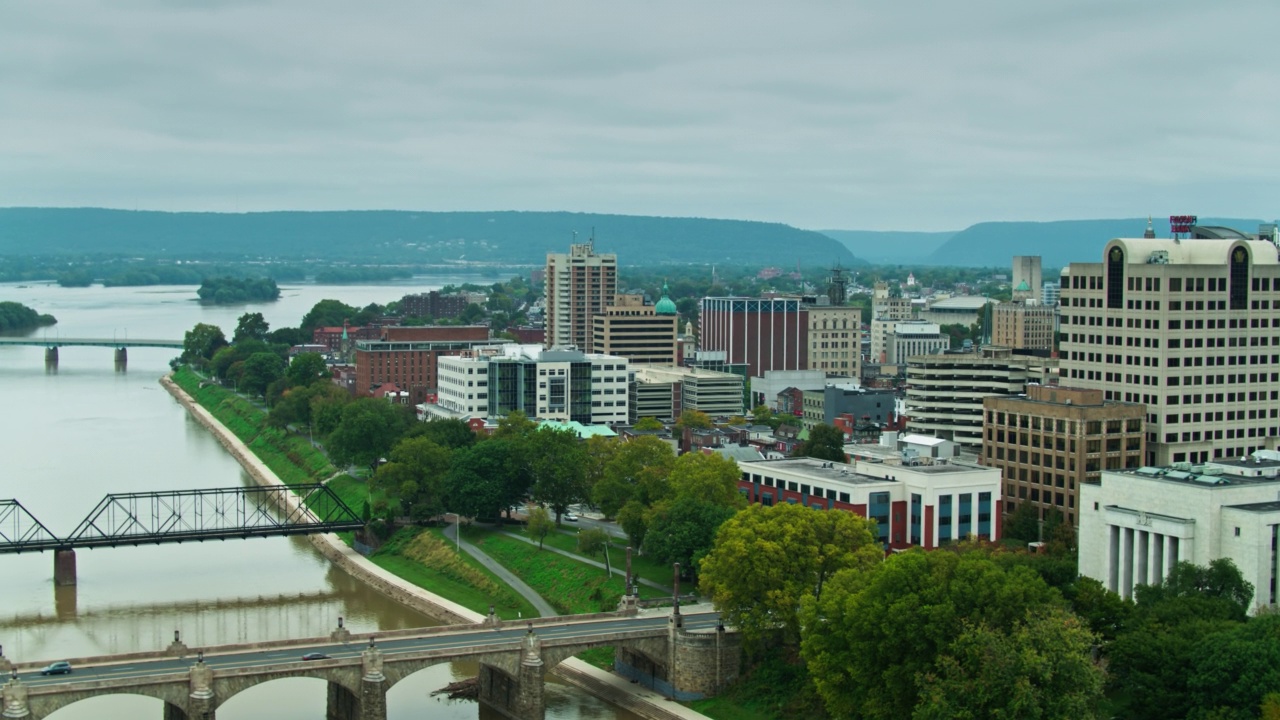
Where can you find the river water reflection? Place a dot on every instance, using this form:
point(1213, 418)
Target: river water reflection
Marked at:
point(73, 436)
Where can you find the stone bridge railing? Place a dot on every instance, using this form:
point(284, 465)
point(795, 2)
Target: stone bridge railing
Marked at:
point(684, 664)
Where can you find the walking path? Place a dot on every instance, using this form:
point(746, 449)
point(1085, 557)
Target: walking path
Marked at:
point(594, 563)
point(544, 608)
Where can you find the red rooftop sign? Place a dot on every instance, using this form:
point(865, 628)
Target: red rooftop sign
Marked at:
point(1179, 224)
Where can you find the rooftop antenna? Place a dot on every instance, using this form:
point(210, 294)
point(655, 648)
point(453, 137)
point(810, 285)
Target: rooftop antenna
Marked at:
point(1151, 232)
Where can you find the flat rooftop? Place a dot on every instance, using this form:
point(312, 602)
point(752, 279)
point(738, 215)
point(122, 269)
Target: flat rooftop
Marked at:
point(861, 474)
point(1198, 477)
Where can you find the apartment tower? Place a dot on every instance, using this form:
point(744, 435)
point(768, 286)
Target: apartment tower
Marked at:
point(580, 284)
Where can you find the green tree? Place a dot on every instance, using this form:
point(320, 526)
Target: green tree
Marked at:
point(694, 420)
point(707, 477)
point(1220, 580)
point(595, 541)
point(369, 428)
point(479, 481)
point(450, 433)
point(201, 342)
point(825, 442)
point(414, 475)
point(307, 368)
point(1023, 523)
point(761, 414)
point(558, 472)
point(260, 370)
point(539, 524)
point(1235, 669)
point(684, 531)
point(472, 314)
point(872, 634)
point(250, 326)
point(327, 313)
point(766, 560)
point(1040, 668)
point(598, 451)
point(648, 424)
point(633, 519)
point(638, 470)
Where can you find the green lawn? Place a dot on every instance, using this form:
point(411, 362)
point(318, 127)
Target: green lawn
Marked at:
point(720, 708)
point(570, 586)
point(444, 572)
point(644, 567)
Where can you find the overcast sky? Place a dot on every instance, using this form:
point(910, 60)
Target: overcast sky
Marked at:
point(884, 114)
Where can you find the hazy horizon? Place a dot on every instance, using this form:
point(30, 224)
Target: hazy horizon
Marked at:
point(914, 117)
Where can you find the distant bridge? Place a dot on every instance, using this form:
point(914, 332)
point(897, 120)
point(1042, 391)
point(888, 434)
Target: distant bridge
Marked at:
point(179, 516)
point(120, 345)
point(55, 342)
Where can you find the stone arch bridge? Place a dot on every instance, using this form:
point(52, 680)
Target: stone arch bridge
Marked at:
point(687, 656)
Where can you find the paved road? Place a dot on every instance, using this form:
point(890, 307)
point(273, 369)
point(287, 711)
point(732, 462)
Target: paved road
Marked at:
point(341, 654)
point(543, 607)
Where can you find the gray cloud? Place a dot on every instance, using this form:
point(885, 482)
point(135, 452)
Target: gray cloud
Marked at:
point(906, 115)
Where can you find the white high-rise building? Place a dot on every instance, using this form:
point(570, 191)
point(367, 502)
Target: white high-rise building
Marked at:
point(1189, 327)
point(580, 284)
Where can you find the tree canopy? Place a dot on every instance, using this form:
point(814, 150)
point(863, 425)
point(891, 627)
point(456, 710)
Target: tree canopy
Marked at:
point(825, 442)
point(766, 560)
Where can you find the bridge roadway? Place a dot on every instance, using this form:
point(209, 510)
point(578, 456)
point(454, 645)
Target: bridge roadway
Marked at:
point(360, 668)
point(54, 342)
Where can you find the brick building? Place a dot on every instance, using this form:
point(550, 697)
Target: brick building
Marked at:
point(433, 304)
point(1051, 441)
point(406, 356)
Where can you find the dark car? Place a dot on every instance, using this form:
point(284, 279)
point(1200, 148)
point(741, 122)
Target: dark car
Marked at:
point(315, 656)
point(58, 668)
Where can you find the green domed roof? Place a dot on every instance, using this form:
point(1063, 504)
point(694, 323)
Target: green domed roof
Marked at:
point(665, 306)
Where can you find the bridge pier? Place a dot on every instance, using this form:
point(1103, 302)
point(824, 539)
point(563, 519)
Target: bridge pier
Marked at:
point(342, 704)
point(15, 700)
point(522, 697)
point(200, 703)
point(122, 359)
point(51, 358)
point(64, 567)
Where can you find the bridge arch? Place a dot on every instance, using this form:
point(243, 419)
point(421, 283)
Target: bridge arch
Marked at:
point(228, 685)
point(173, 696)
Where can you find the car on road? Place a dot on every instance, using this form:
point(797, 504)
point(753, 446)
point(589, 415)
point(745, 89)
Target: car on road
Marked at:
point(315, 656)
point(58, 668)
point(570, 517)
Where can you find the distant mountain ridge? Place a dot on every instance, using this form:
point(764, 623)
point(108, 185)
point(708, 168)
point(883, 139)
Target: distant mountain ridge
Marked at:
point(1058, 243)
point(891, 247)
point(409, 237)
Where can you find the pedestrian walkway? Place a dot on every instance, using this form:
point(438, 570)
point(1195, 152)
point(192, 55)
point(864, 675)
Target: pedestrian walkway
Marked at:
point(593, 563)
point(543, 607)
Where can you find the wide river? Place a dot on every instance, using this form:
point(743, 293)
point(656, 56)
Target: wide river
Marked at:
point(72, 436)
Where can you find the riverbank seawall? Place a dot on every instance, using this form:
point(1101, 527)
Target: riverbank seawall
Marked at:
point(603, 684)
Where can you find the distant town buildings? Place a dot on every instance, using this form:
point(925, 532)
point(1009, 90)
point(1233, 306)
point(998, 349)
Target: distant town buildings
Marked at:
point(434, 304)
point(407, 357)
point(643, 334)
point(580, 284)
point(909, 338)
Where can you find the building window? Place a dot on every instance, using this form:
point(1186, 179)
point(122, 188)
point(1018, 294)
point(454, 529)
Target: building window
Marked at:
point(1115, 278)
point(1239, 290)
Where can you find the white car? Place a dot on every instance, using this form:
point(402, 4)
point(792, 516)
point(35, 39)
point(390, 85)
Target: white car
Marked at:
point(570, 517)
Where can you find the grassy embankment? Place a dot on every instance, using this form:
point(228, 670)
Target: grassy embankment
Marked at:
point(411, 554)
point(569, 585)
point(642, 566)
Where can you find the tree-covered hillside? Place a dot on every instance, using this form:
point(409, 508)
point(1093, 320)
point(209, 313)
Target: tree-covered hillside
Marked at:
point(407, 237)
point(1058, 243)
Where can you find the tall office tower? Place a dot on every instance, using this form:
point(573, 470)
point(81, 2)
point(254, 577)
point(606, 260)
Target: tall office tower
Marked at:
point(579, 285)
point(1026, 269)
point(643, 334)
point(766, 334)
point(1191, 328)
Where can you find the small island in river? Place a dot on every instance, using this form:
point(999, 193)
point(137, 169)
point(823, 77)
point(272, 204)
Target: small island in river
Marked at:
point(233, 291)
point(16, 316)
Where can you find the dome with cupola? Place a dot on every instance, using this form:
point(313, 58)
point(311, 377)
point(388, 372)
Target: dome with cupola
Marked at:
point(665, 306)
